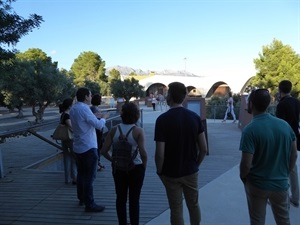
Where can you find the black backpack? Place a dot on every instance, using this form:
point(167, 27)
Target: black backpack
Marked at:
point(122, 157)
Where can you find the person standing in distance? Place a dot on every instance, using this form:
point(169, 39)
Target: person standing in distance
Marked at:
point(269, 153)
point(230, 108)
point(288, 109)
point(70, 168)
point(84, 123)
point(180, 148)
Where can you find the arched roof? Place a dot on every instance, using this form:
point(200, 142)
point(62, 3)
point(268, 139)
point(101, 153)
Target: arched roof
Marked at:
point(203, 84)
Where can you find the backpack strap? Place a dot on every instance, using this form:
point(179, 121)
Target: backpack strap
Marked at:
point(129, 131)
point(121, 132)
point(127, 134)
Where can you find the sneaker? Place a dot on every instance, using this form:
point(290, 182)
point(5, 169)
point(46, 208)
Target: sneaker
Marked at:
point(234, 121)
point(223, 121)
point(97, 208)
point(295, 204)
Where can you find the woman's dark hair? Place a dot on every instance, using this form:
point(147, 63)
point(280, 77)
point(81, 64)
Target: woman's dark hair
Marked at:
point(96, 99)
point(67, 103)
point(130, 113)
point(82, 93)
point(177, 91)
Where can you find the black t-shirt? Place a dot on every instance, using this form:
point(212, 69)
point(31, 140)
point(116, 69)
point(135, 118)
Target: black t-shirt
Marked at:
point(288, 109)
point(178, 128)
point(64, 117)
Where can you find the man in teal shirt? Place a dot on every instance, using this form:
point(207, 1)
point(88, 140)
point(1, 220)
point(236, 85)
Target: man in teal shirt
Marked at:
point(269, 153)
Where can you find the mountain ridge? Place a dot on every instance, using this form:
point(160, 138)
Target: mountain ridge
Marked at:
point(125, 71)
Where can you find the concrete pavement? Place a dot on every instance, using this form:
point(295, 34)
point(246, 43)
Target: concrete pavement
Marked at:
point(222, 197)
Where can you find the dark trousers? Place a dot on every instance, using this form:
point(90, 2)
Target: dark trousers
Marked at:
point(131, 182)
point(86, 174)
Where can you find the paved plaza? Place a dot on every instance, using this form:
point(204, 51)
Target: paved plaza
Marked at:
point(35, 195)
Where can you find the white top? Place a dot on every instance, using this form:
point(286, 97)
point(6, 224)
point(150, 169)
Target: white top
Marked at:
point(125, 128)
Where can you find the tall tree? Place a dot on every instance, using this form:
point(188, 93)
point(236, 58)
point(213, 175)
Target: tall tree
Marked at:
point(89, 66)
point(277, 62)
point(114, 75)
point(127, 89)
point(13, 27)
point(33, 79)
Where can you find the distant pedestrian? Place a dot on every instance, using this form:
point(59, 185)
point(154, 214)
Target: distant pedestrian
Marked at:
point(288, 109)
point(269, 153)
point(154, 102)
point(84, 123)
point(230, 108)
point(128, 183)
point(70, 168)
point(180, 149)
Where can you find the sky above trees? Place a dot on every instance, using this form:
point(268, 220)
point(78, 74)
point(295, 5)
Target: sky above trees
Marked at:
point(208, 38)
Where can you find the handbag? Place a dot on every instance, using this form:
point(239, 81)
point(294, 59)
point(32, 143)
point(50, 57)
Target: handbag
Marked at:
point(62, 133)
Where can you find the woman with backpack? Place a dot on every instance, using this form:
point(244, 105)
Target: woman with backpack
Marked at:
point(128, 180)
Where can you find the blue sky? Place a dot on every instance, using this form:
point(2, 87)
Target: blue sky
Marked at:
point(217, 37)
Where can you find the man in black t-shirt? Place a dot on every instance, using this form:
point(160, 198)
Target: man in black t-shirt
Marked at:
point(180, 149)
point(288, 109)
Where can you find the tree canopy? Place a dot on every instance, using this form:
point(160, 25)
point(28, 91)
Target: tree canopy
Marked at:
point(33, 79)
point(127, 89)
point(89, 66)
point(13, 27)
point(277, 62)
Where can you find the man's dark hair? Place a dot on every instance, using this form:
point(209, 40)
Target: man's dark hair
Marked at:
point(177, 92)
point(82, 93)
point(285, 86)
point(260, 99)
point(130, 113)
point(96, 99)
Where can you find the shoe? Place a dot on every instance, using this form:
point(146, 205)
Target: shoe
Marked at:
point(223, 121)
point(234, 121)
point(100, 167)
point(295, 204)
point(97, 208)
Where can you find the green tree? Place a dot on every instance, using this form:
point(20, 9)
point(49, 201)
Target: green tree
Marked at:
point(132, 74)
point(33, 79)
point(92, 86)
point(277, 62)
point(13, 27)
point(114, 75)
point(89, 66)
point(127, 89)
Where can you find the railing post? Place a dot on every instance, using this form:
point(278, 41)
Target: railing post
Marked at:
point(1, 165)
point(142, 119)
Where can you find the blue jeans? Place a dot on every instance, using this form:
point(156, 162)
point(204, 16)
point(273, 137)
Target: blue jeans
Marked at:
point(86, 174)
point(132, 182)
point(69, 156)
